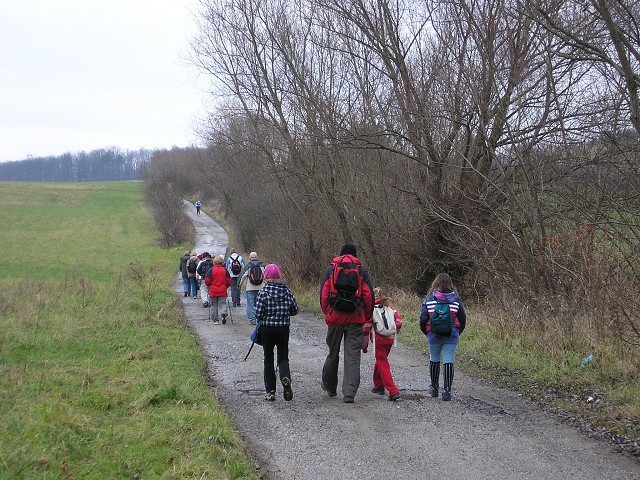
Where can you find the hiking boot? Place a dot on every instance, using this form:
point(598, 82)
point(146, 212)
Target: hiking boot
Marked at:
point(186, 294)
point(446, 395)
point(224, 318)
point(394, 397)
point(433, 391)
point(379, 391)
point(270, 396)
point(288, 393)
point(205, 305)
point(348, 399)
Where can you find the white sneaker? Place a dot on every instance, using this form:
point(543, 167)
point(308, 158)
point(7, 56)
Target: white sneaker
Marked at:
point(216, 322)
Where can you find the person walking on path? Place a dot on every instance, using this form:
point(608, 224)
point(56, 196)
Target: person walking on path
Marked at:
point(235, 264)
point(382, 377)
point(182, 268)
point(192, 266)
point(346, 311)
point(198, 204)
point(218, 281)
point(203, 267)
point(253, 286)
point(275, 305)
point(443, 345)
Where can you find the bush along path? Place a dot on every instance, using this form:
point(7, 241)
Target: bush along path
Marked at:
point(484, 433)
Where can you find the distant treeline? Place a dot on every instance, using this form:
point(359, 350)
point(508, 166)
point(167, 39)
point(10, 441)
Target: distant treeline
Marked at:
point(110, 164)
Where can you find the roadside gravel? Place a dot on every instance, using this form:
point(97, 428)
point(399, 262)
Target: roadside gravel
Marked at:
point(484, 433)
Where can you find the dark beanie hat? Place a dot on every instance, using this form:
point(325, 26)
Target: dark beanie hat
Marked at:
point(348, 249)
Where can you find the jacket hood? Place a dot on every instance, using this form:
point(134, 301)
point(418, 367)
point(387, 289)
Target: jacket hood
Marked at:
point(347, 258)
point(448, 297)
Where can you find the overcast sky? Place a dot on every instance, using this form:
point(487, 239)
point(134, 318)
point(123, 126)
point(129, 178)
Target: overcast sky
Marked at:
point(88, 74)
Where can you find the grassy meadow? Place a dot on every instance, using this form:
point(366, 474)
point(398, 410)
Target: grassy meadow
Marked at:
point(99, 377)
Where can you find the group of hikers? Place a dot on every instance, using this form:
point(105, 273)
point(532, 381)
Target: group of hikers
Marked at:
point(356, 315)
point(213, 277)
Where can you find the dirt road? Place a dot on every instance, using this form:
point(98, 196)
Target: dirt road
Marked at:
point(483, 433)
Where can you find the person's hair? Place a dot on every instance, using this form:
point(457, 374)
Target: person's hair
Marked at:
point(187, 253)
point(384, 300)
point(218, 260)
point(349, 249)
point(441, 283)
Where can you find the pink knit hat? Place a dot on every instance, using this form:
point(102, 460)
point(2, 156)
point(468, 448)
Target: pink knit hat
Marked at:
point(272, 271)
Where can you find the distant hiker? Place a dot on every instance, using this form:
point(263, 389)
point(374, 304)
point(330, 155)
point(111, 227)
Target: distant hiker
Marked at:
point(253, 285)
point(198, 207)
point(203, 267)
point(192, 266)
point(346, 298)
point(235, 264)
point(218, 280)
point(386, 325)
point(275, 304)
point(444, 306)
point(185, 276)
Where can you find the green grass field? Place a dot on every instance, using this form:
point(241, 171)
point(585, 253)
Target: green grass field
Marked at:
point(99, 376)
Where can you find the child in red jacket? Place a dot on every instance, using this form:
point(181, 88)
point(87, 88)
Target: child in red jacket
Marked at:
point(383, 341)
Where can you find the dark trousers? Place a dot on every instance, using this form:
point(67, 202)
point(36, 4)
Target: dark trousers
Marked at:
point(235, 292)
point(353, 337)
point(275, 337)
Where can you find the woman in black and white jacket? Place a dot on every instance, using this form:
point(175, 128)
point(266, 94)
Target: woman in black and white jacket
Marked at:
point(275, 305)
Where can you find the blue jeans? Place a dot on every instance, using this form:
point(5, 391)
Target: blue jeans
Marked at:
point(185, 284)
point(235, 291)
point(251, 302)
point(193, 283)
point(446, 350)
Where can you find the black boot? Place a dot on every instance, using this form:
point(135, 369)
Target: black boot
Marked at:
point(434, 374)
point(448, 381)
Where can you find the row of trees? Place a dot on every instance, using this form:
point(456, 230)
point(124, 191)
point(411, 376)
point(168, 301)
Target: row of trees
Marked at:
point(110, 164)
point(493, 139)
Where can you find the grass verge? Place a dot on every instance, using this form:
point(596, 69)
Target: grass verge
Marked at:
point(99, 376)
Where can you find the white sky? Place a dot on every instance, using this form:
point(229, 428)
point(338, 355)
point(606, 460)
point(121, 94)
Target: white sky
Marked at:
point(87, 74)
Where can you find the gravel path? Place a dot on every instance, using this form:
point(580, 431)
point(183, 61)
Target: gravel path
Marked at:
point(483, 433)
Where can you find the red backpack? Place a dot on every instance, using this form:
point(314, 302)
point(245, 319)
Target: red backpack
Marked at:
point(345, 286)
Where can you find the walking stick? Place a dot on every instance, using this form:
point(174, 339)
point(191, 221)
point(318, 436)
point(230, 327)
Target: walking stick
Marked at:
point(229, 310)
point(250, 348)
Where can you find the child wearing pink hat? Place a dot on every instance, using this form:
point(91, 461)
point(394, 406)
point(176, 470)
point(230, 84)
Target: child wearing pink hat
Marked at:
point(275, 305)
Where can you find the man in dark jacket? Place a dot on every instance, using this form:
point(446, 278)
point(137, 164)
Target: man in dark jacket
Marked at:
point(345, 322)
point(182, 268)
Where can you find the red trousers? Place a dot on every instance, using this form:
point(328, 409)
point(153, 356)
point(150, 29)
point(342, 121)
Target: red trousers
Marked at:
point(381, 370)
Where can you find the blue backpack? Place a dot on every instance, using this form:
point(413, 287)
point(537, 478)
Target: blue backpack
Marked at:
point(441, 321)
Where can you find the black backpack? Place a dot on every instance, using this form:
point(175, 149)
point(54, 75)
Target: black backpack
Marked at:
point(345, 287)
point(256, 275)
point(203, 268)
point(192, 265)
point(236, 266)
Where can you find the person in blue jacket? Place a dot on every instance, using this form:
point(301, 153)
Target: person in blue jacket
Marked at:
point(442, 346)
